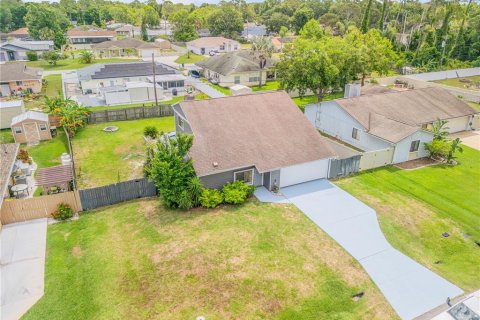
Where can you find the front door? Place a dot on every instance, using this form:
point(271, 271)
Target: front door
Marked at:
point(31, 132)
point(202, 50)
point(11, 55)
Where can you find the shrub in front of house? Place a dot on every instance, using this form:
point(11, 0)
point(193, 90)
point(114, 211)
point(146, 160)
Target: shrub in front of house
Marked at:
point(151, 132)
point(63, 212)
point(237, 192)
point(211, 198)
point(32, 56)
point(438, 148)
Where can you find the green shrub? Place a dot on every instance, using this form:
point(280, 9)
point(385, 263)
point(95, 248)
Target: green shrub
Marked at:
point(151, 132)
point(211, 198)
point(237, 192)
point(32, 56)
point(64, 211)
point(438, 148)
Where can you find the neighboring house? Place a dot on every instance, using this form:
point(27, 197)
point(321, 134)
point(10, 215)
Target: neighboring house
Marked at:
point(251, 29)
point(9, 110)
point(31, 127)
point(17, 77)
point(83, 39)
point(17, 49)
point(279, 43)
point(212, 45)
point(126, 47)
point(397, 120)
point(21, 33)
point(97, 76)
point(202, 33)
point(133, 92)
point(238, 67)
point(128, 31)
point(163, 44)
point(261, 139)
point(8, 156)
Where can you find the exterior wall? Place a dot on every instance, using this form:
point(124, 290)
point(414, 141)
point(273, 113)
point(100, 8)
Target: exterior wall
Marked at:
point(7, 114)
point(178, 114)
point(228, 81)
point(94, 84)
point(147, 53)
point(34, 85)
point(336, 122)
point(121, 97)
point(218, 180)
point(402, 149)
point(144, 94)
point(21, 138)
point(458, 124)
point(304, 172)
point(207, 49)
point(376, 158)
point(274, 179)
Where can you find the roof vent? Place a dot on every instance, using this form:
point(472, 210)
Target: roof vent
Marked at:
point(215, 164)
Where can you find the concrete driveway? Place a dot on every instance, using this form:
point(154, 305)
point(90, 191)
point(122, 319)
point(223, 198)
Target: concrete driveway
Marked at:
point(409, 287)
point(469, 138)
point(22, 266)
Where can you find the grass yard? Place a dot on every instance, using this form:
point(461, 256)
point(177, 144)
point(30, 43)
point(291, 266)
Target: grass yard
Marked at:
point(47, 153)
point(6, 136)
point(225, 91)
point(270, 85)
point(415, 207)
point(256, 261)
point(102, 158)
point(72, 64)
point(474, 105)
point(301, 102)
point(54, 85)
point(183, 59)
point(455, 82)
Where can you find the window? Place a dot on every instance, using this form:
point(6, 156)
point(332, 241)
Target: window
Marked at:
point(237, 79)
point(180, 122)
point(245, 176)
point(222, 47)
point(235, 47)
point(43, 127)
point(18, 83)
point(18, 130)
point(355, 134)
point(414, 145)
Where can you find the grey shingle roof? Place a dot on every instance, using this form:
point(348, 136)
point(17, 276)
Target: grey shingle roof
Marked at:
point(120, 70)
point(18, 71)
point(233, 62)
point(127, 43)
point(8, 154)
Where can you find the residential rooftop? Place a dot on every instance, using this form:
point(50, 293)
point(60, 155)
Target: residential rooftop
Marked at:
point(210, 41)
point(123, 70)
point(127, 43)
point(233, 62)
point(8, 155)
point(18, 71)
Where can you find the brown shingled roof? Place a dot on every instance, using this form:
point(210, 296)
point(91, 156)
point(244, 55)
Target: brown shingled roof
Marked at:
point(91, 33)
point(266, 130)
point(18, 71)
point(127, 43)
point(8, 155)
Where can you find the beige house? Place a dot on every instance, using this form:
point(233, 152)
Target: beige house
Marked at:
point(127, 47)
point(212, 45)
point(17, 77)
point(9, 110)
point(239, 67)
point(31, 127)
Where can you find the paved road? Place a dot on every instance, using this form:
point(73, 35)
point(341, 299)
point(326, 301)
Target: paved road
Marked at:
point(22, 266)
point(410, 288)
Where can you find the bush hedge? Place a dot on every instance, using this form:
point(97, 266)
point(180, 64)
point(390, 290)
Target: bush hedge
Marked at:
point(237, 192)
point(211, 198)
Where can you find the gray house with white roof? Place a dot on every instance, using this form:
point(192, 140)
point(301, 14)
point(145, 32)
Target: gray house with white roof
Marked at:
point(17, 49)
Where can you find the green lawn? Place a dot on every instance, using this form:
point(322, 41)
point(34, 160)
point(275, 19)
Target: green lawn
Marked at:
point(270, 85)
point(192, 59)
point(301, 102)
point(6, 136)
point(455, 82)
point(256, 261)
point(225, 91)
point(47, 153)
point(475, 105)
point(52, 88)
point(71, 64)
point(416, 206)
point(102, 158)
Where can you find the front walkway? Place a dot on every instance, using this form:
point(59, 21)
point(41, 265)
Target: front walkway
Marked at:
point(22, 266)
point(411, 289)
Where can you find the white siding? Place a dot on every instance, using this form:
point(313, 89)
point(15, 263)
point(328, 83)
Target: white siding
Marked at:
point(304, 172)
point(458, 124)
point(94, 84)
point(117, 97)
point(402, 149)
point(336, 122)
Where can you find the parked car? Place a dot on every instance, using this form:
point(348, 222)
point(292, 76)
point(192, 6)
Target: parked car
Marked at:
point(194, 73)
point(213, 81)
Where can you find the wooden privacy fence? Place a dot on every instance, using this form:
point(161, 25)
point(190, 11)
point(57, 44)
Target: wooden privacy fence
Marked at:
point(130, 113)
point(19, 210)
point(116, 193)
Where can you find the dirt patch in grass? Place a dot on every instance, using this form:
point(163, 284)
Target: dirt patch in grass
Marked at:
point(416, 164)
point(77, 252)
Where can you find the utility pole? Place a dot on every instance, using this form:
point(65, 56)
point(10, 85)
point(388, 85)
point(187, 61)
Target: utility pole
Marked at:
point(154, 80)
point(444, 46)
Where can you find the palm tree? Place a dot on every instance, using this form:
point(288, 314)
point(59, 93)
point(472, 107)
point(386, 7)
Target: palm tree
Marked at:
point(262, 49)
point(439, 129)
point(86, 57)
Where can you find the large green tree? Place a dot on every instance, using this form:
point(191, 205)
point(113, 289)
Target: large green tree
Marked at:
point(227, 21)
point(184, 27)
point(44, 22)
point(300, 18)
point(276, 21)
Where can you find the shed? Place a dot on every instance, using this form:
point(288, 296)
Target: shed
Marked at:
point(239, 89)
point(9, 110)
point(55, 179)
point(31, 127)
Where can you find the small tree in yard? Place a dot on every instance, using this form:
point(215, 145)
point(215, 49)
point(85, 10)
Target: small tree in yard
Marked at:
point(52, 57)
point(454, 146)
point(32, 56)
point(86, 57)
point(151, 132)
point(72, 115)
point(172, 171)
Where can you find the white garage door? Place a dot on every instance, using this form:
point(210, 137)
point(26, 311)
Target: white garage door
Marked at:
point(147, 53)
point(457, 124)
point(304, 172)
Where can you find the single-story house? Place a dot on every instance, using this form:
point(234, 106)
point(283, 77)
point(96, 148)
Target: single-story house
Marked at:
point(132, 92)
point(212, 45)
point(8, 156)
point(251, 29)
point(163, 44)
point(262, 139)
point(238, 67)
point(102, 75)
point(395, 119)
point(17, 77)
point(83, 39)
point(125, 48)
point(17, 49)
point(31, 127)
point(21, 33)
point(128, 31)
point(9, 110)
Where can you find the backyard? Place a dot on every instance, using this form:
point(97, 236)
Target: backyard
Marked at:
point(138, 260)
point(189, 58)
point(102, 158)
point(466, 83)
point(72, 64)
point(415, 207)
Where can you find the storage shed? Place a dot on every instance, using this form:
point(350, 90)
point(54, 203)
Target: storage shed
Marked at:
point(239, 89)
point(31, 127)
point(9, 110)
